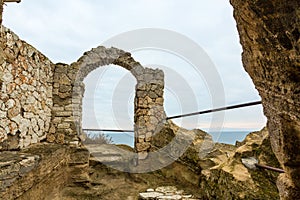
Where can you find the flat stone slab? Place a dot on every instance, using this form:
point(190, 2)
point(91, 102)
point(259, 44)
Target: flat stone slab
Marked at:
point(108, 153)
point(165, 193)
point(150, 195)
point(170, 197)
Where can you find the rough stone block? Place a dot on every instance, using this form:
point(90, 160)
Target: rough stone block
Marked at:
point(142, 155)
point(144, 146)
point(63, 126)
point(63, 114)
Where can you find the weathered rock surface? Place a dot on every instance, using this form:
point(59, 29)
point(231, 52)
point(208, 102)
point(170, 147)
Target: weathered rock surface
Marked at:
point(218, 169)
point(189, 146)
point(105, 181)
point(230, 179)
point(270, 36)
point(30, 174)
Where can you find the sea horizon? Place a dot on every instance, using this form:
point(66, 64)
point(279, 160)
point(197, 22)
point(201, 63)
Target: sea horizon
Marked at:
point(226, 136)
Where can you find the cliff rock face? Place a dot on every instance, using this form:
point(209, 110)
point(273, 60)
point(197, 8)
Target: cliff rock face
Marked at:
point(269, 33)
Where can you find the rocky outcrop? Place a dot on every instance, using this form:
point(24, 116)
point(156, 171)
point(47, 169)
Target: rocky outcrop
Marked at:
point(230, 179)
point(42, 171)
point(217, 168)
point(189, 147)
point(270, 36)
point(26, 93)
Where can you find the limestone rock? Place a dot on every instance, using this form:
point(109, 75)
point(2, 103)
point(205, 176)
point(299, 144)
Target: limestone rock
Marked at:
point(186, 145)
point(235, 181)
point(218, 168)
point(269, 34)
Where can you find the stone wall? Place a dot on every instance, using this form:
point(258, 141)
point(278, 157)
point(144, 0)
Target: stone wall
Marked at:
point(41, 100)
point(68, 91)
point(270, 35)
point(149, 109)
point(62, 123)
point(26, 93)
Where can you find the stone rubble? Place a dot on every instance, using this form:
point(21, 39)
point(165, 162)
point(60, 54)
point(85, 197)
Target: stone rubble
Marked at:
point(165, 193)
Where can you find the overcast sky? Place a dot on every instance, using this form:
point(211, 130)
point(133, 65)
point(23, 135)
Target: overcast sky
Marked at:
point(64, 30)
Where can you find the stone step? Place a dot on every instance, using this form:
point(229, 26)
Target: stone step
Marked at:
point(110, 154)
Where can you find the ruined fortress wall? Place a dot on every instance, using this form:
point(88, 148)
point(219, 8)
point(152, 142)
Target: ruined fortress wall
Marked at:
point(40, 100)
point(26, 92)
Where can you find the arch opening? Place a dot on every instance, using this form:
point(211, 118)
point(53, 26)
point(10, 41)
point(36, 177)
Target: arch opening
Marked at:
point(108, 104)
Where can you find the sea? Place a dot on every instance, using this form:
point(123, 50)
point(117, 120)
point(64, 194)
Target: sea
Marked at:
point(227, 137)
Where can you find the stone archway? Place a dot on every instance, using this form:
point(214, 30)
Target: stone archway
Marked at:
point(68, 90)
